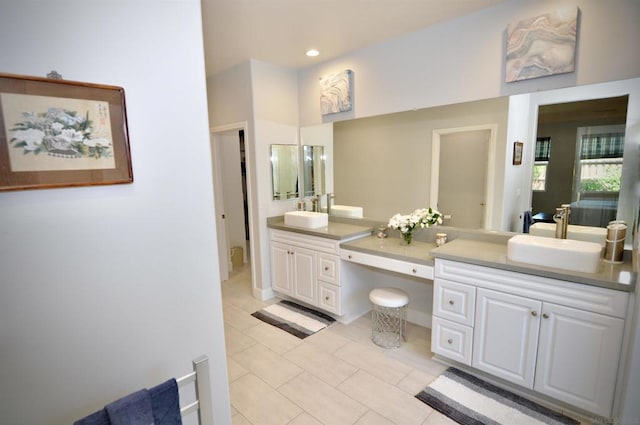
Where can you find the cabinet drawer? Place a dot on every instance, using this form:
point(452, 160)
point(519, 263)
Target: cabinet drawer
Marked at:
point(329, 268)
point(454, 301)
point(451, 340)
point(329, 297)
point(405, 267)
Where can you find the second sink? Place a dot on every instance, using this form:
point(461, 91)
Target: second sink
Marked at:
point(567, 254)
point(306, 219)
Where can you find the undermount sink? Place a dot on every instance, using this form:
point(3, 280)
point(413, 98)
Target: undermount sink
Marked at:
point(346, 211)
point(579, 233)
point(567, 254)
point(306, 219)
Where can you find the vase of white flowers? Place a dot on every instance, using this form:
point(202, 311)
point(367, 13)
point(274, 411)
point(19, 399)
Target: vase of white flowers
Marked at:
point(418, 219)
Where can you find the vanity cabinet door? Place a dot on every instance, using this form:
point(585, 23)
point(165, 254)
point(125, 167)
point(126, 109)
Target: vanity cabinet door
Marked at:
point(505, 336)
point(280, 268)
point(304, 275)
point(578, 357)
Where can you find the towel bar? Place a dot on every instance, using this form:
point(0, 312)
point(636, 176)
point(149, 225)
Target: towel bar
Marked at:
point(202, 404)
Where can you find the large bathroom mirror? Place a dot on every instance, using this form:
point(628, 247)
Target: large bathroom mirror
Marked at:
point(578, 160)
point(383, 163)
point(284, 172)
point(313, 170)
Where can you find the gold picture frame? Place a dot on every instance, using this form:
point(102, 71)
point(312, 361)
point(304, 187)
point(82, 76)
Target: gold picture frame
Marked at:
point(58, 133)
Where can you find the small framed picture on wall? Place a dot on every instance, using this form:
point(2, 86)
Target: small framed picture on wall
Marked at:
point(517, 153)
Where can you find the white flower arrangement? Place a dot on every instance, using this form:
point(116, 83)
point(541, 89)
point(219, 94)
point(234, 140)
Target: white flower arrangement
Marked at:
point(418, 219)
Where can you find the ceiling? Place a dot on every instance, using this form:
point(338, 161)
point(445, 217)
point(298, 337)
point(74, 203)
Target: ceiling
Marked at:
point(281, 31)
point(612, 108)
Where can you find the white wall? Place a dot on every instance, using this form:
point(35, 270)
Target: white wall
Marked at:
point(105, 290)
point(517, 196)
point(321, 135)
point(229, 96)
point(275, 109)
point(265, 96)
point(463, 60)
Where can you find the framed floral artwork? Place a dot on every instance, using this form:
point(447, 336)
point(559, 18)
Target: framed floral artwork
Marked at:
point(57, 133)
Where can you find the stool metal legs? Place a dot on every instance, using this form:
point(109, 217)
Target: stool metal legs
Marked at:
point(389, 325)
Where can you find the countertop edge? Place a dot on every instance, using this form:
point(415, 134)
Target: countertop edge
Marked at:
point(350, 234)
point(344, 232)
point(548, 272)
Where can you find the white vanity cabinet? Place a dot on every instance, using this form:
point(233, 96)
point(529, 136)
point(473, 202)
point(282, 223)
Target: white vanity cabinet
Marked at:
point(293, 271)
point(453, 318)
point(558, 338)
point(306, 268)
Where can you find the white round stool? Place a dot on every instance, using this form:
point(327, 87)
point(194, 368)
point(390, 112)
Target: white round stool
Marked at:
point(388, 316)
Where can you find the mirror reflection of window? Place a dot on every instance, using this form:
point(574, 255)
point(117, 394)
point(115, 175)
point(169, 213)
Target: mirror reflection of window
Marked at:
point(598, 172)
point(284, 171)
point(542, 155)
point(313, 170)
point(600, 163)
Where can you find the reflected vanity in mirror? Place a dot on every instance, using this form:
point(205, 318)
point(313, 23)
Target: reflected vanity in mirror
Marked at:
point(313, 170)
point(284, 171)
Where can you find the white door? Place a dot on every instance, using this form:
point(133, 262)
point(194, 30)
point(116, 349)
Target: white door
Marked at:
point(463, 161)
point(505, 336)
point(304, 275)
point(578, 357)
point(218, 196)
point(281, 267)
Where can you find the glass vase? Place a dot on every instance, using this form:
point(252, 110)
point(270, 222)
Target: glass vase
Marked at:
point(407, 238)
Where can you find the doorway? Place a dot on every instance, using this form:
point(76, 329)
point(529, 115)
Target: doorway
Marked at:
point(462, 175)
point(231, 194)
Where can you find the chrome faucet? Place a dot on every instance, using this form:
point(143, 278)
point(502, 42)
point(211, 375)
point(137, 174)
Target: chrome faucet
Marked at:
point(567, 216)
point(315, 200)
point(330, 197)
point(561, 217)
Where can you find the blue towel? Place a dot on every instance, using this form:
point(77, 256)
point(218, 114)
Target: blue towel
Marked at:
point(165, 402)
point(101, 417)
point(134, 409)
point(527, 222)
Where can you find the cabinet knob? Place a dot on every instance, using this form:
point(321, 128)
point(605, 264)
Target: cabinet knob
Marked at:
point(349, 256)
point(450, 341)
point(326, 298)
point(326, 268)
point(545, 316)
point(451, 302)
point(534, 313)
point(414, 270)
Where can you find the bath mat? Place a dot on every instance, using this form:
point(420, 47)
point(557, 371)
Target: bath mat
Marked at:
point(298, 320)
point(471, 401)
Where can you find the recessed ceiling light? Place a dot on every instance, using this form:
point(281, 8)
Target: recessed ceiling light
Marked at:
point(312, 53)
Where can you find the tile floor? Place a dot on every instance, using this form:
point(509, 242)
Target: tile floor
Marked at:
point(334, 377)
